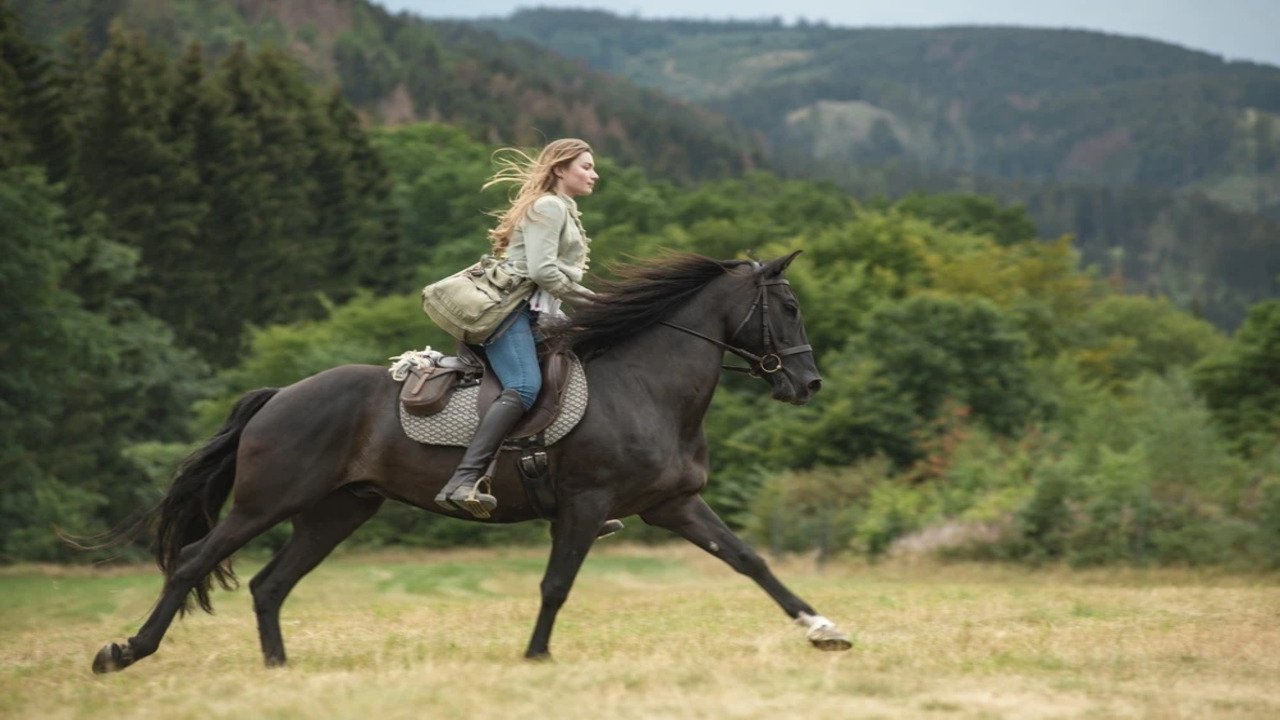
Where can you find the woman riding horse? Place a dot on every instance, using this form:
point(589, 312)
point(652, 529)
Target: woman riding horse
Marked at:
point(542, 239)
point(328, 450)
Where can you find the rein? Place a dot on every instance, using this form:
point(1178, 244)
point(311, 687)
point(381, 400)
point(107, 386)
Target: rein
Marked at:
point(771, 361)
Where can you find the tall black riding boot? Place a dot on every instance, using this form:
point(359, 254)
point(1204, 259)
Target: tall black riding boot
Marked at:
point(463, 489)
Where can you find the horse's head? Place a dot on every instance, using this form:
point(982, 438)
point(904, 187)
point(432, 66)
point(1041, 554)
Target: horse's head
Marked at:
point(772, 334)
point(752, 313)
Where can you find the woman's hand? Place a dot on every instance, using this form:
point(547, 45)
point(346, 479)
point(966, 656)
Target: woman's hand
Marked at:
point(580, 298)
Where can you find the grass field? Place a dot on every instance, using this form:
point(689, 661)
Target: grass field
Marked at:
point(656, 633)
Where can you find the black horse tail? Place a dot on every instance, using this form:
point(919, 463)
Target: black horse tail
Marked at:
point(203, 482)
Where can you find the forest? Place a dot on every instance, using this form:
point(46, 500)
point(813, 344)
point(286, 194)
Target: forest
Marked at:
point(183, 225)
point(1161, 161)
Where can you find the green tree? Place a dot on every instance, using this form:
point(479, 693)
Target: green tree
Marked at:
point(850, 267)
point(33, 104)
point(125, 166)
point(1125, 336)
point(41, 320)
point(437, 172)
point(80, 382)
point(1241, 384)
point(974, 214)
point(180, 261)
point(355, 206)
point(892, 381)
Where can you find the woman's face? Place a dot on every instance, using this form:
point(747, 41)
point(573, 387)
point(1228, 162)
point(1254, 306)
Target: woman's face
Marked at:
point(578, 177)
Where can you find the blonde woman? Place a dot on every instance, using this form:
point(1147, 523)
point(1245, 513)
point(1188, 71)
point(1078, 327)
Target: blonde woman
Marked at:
point(541, 238)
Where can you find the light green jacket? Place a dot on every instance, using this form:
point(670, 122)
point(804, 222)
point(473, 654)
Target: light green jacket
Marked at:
point(550, 248)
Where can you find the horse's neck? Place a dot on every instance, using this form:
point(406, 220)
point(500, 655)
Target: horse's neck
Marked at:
point(673, 370)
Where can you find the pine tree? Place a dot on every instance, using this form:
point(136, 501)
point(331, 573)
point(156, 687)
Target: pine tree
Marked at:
point(369, 249)
point(128, 177)
point(231, 177)
point(33, 115)
point(178, 261)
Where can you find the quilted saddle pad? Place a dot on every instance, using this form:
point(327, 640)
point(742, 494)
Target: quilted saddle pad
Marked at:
point(457, 422)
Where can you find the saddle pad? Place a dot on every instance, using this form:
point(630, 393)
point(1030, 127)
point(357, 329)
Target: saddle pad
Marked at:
point(457, 422)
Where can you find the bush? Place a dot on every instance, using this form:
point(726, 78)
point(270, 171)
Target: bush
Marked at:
point(818, 509)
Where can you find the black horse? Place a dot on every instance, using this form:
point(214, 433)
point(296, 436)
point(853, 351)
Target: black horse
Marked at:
point(326, 451)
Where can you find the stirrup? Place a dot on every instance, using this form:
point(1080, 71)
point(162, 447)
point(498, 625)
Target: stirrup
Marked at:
point(474, 500)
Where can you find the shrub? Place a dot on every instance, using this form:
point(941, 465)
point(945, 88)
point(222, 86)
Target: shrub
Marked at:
point(813, 509)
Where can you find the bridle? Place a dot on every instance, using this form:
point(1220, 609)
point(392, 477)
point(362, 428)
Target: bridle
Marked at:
point(761, 365)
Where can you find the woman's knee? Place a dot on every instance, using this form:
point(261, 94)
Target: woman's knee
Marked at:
point(528, 387)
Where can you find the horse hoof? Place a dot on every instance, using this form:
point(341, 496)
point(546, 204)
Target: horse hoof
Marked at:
point(835, 643)
point(823, 633)
point(538, 656)
point(829, 638)
point(111, 658)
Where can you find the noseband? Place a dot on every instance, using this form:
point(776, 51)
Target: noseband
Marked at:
point(761, 365)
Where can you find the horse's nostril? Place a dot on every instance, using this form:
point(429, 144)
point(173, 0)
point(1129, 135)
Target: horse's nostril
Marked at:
point(815, 385)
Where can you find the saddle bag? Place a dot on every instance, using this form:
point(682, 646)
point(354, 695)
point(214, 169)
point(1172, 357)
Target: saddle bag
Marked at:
point(427, 390)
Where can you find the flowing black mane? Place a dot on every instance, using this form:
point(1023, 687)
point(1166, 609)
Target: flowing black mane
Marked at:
point(639, 296)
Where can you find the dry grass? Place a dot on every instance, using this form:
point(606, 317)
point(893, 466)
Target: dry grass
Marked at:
point(658, 633)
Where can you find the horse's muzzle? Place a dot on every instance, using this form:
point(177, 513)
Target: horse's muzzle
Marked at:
point(796, 392)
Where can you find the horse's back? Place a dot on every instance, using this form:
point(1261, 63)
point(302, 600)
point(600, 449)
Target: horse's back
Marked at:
point(339, 390)
point(316, 425)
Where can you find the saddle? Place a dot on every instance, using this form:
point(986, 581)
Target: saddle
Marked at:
point(429, 387)
point(443, 398)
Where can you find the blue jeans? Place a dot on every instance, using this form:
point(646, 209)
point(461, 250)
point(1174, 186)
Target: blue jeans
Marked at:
point(514, 357)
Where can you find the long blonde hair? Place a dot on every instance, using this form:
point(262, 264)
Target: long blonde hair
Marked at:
point(533, 179)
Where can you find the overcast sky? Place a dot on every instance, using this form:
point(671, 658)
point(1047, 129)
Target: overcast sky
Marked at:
point(1235, 29)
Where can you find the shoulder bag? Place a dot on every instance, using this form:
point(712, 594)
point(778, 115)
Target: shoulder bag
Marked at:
point(471, 304)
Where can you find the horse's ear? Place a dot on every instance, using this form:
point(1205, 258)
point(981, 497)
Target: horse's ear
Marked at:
point(774, 268)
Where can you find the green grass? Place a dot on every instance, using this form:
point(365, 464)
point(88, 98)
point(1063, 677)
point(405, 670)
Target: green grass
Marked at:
point(663, 632)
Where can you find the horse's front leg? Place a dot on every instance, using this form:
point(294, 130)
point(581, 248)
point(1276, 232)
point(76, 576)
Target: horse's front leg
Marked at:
point(572, 534)
point(691, 518)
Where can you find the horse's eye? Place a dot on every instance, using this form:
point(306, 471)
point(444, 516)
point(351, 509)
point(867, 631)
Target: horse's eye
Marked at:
point(791, 308)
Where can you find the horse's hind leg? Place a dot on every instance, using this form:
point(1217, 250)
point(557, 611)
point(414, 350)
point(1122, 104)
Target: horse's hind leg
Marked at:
point(196, 561)
point(316, 532)
point(691, 518)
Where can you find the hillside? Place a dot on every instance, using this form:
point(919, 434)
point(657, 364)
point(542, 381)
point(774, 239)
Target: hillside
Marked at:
point(397, 68)
point(1013, 103)
point(1163, 162)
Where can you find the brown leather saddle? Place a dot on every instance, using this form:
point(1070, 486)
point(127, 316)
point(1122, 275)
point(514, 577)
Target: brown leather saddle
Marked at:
point(428, 390)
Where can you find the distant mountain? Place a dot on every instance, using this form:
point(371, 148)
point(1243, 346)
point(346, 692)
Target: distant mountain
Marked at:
point(1015, 103)
point(398, 68)
point(1164, 162)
